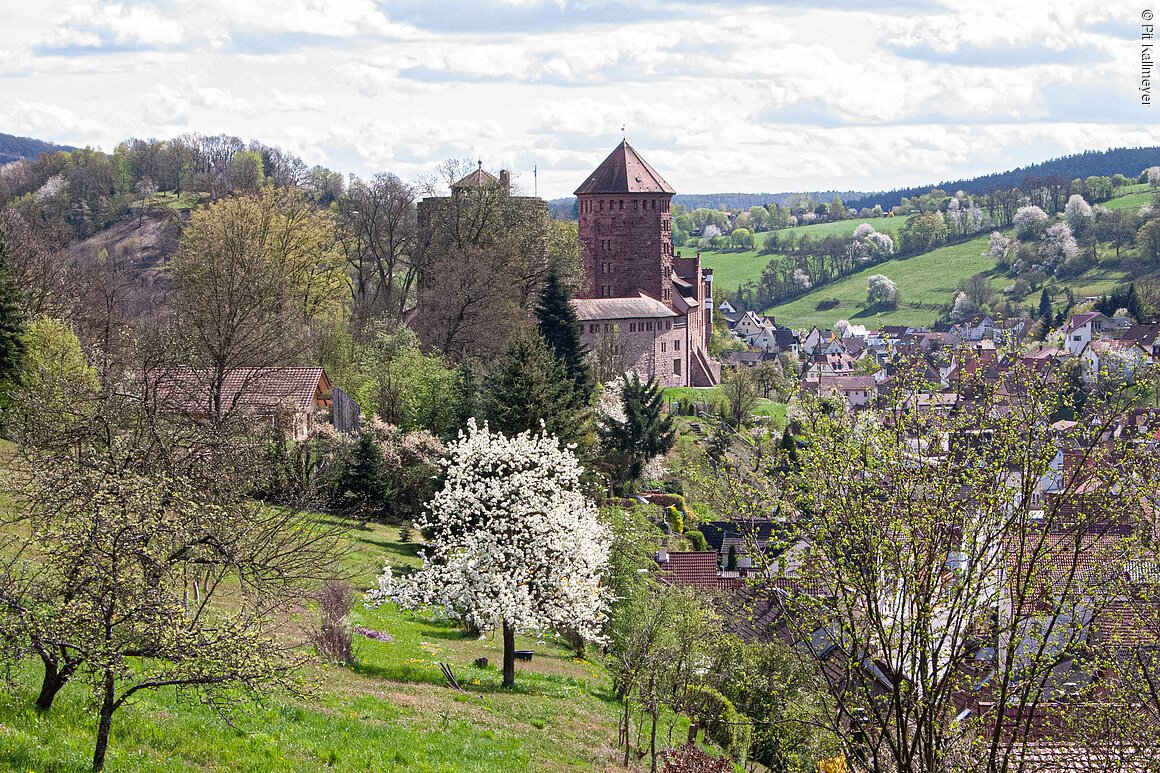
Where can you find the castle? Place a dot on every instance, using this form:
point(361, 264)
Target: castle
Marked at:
point(644, 309)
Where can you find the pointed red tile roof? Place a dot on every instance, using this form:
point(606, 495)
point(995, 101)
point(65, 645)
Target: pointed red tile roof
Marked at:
point(624, 171)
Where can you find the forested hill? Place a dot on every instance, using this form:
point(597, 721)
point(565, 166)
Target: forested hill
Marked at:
point(13, 148)
point(1087, 164)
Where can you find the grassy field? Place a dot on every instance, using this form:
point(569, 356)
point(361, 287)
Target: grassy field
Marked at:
point(391, 711)
point(764, 407)
point(733, 269)
point(927, 279)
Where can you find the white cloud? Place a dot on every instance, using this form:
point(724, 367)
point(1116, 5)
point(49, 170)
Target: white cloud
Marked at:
point(84, 24)
point(759, 98)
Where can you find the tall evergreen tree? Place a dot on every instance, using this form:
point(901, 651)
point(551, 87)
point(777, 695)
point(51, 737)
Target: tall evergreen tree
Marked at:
point(1045, 306)
point(11, 324)
point(530, 385)
point(363, 487)
point(645, 432)
point(561, 331)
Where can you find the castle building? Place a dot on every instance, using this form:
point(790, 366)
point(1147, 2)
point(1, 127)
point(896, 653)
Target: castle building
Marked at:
point(651, 309)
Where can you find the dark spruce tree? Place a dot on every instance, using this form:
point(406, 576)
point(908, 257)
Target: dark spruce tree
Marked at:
point(530, 385)
point(11, 326)
point(645, 432)
point(1045, 306)
point(364, 488)
point(561, 331)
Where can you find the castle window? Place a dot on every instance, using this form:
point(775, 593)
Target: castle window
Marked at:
point(677, 345)
point(601, 206)
point(664, 347)
point(622, 205)
point(635, 206)
point(632, 327)
point(593, 328)
point(676, 367)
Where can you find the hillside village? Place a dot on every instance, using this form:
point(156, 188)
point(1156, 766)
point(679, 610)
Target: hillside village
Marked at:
point(309, 472)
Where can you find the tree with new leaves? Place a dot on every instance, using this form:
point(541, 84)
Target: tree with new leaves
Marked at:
point(143, 563)
point(560, 329)
point(514, 544)
point(639, 431)
point(251, 274)
point(907, 575)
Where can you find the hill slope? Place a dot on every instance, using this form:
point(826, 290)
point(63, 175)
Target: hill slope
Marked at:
point(13, 148)
point(1109, 162)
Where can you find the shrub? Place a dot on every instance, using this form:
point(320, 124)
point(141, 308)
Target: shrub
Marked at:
point(827, 304)
point(676, 519)
point(406, 531)
point(697, 538)
point(691, 759)
point(722, 722)
point(334, 639)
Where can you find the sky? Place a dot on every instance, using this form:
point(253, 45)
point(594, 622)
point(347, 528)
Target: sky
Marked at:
point(716, 95)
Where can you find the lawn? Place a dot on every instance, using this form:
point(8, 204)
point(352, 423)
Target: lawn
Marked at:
point(733, 269)
point(764, 407)
point(925, 282)
point(391, 711)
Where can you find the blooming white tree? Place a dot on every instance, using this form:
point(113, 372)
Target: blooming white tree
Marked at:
point(999, 246)
point(881, 289)
point(869, 245)
point(802, 279)
point(964, 308)
point(1029, 221)
point(514, 543)
point(1153, 175)
point(1078, 213)
point(1058, 246)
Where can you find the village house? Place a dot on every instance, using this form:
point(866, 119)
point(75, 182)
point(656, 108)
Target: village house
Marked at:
point(295, 400)
point(1117, 358)
point(1082, 329)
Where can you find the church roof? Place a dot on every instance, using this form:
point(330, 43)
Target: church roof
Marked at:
point(642, 306)
point(624, 171)
point(477, 179)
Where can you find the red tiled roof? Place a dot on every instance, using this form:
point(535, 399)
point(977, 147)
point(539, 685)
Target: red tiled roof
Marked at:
point(698, 569)
point(261, 390)
point(624, 171)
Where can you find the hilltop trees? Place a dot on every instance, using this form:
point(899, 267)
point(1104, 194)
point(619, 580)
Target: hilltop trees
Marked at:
point(251, 272)
point(514, 544)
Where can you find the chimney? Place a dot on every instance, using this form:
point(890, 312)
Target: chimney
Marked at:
point(505, 181)
point(662, 556)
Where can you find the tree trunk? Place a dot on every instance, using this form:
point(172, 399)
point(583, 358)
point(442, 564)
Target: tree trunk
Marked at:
point(509, 655)
point(54, 679)
point(105, 724)
point(625, 729)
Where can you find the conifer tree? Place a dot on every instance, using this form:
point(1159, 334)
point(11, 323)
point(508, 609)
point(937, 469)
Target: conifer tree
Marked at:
point(363, 486)
point(645, 431)
point(1045, 306)
point(561, 331)
point(11, 324)
point(530, 385)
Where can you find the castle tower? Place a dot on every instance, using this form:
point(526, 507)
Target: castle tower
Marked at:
point(626, 243)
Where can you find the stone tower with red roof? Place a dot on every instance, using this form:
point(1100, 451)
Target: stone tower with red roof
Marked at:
point(659, 303)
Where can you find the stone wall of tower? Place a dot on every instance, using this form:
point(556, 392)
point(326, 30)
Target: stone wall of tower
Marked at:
point(626, 245)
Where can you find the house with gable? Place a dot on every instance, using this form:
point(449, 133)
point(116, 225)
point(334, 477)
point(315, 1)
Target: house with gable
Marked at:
point(1082, 329)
